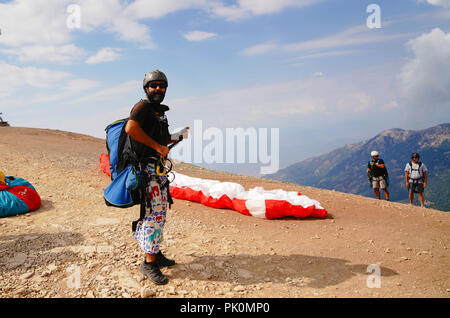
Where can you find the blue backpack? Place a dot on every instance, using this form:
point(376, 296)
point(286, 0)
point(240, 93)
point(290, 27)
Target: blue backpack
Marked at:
point(126, 178)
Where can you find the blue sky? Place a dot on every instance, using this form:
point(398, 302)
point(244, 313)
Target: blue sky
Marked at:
point(311, 68)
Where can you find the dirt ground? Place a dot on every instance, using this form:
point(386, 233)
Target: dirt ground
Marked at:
point(76, 246)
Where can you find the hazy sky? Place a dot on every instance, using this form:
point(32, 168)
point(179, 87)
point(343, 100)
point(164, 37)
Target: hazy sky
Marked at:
point(312, 68)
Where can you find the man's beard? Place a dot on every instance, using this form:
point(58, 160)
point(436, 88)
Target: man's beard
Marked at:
point(156, 97)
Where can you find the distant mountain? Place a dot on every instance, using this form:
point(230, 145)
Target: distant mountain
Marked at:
point(344, 169)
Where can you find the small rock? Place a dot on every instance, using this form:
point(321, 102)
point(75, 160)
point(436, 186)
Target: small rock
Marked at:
point(239, 288)
point(20, 290)
point(171, 290)
point(52, 267)
point(26, 275)
point(147, 292)
point(404, 258)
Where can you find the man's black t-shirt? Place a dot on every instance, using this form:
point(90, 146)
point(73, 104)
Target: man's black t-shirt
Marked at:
point(377, 171)
point(152, 119)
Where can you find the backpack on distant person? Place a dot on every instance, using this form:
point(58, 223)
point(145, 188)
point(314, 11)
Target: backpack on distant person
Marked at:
point(418, 170)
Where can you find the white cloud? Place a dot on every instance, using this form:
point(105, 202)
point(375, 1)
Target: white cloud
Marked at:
point(65, 90)
point(440, 3)
point(259, 49)
point(198, 35)
point(106, 54)
point(27, 22)
point(114, 16)
point(64, 54)
point(110, 93)
point(350, 37)
point(142, 9)
point(325, 54)
point(353, 36)
point(13, 77)
point(425, 78)
point(248, 8)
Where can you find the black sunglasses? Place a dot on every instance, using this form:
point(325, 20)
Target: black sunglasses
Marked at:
point(155, 85)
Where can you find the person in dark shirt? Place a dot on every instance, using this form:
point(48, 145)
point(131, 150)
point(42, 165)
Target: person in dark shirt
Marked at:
point(148, 129)
point(378, 173)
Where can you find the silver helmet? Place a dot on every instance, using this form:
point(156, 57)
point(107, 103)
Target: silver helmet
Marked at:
point(155, 75)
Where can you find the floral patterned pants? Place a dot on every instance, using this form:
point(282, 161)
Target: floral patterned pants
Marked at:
point(149, 231)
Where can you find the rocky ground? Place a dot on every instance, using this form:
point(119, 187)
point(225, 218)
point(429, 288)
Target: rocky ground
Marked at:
point(76, 246)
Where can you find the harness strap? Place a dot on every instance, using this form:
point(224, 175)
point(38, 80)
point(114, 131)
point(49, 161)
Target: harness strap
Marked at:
point(143, 203)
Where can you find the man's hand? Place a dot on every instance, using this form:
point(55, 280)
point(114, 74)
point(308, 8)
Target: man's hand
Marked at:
point(407, 184)
point(424, 185)
point(163, 150)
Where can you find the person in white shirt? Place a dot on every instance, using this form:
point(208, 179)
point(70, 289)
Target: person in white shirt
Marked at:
point(416, 178)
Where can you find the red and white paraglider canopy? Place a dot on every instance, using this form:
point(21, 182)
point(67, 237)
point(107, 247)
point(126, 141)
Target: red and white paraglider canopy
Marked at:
point(257, 202)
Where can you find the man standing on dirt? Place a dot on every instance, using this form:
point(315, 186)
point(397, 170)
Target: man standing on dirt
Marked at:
point(416, 174)
point(378, 175)
point(148, 129)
